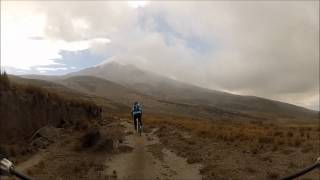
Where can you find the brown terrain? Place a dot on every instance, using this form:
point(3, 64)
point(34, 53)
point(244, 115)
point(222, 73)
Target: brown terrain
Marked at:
point(79, 127)
point(241, 150)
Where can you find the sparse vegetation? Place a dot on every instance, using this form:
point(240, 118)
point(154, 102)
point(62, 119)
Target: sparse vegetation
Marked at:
point(4, 81)
point(229, 131)
point(26, 108)
point(258, 144)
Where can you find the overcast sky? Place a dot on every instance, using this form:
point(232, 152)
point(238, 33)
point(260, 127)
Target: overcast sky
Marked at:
point(268, 49)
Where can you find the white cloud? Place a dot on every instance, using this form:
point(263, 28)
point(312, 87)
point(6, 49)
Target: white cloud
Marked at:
point(50, 69)
point(138, 4)
point(268, 49)
point(17, 50)
point(24, 42)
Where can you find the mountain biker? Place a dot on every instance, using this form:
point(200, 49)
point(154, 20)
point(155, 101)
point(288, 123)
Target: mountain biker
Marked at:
point(136, 114)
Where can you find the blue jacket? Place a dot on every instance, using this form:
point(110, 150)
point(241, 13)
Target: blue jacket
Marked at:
point(136, 109)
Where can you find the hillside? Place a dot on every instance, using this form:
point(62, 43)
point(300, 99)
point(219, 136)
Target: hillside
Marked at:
point(190, 133)
point(101, 87)
point(58, 86)
point(26, 108)
point(118, 93)
point(174, 91)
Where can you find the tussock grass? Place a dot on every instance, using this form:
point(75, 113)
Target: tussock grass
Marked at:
point(258, 133)
point(259, 144)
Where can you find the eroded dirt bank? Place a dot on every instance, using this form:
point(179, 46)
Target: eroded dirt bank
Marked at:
point(77, 154)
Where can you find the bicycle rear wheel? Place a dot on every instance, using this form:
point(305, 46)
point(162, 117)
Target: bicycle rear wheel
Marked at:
point(140, 129)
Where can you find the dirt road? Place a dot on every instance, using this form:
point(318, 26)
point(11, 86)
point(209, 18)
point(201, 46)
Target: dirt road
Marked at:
point(136, 157)
point(148, 159)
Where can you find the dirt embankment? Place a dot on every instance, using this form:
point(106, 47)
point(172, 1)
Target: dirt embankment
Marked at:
point(25, 108)
point(78, 154)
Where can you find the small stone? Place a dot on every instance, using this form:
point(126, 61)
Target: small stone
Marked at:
point(114, 173)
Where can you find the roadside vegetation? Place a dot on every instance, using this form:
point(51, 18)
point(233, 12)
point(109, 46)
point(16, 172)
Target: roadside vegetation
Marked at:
point(254, 131)
point(24, 109)
point(4, 80)
point(242, 149)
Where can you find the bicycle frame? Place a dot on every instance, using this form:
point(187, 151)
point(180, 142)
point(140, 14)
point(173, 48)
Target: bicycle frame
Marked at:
point(138, 126)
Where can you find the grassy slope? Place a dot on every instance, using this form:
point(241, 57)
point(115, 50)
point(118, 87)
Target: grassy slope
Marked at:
point(167, 89)
point(26, 108)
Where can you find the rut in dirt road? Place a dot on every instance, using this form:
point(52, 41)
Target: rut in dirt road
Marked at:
point(147, 162)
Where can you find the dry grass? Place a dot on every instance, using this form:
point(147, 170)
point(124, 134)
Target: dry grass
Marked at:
point(259, 133)
point(241, 148)
point(39, 93)
point(26, 108)
point(4, 81)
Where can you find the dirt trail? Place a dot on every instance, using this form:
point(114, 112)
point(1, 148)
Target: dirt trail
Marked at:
point(137, 157)
point(32, 161)
point(147, 162)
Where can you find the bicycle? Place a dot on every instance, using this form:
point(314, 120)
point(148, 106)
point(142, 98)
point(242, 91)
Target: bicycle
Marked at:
point(303, 171)
point(7, 169)
point(139, 126)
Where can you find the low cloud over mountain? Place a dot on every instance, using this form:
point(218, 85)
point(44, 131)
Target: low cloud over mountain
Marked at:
point(268, 49)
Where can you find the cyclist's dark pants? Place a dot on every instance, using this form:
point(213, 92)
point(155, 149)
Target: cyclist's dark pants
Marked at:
point(137, 116)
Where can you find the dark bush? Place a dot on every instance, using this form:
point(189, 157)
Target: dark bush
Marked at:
point(4, 81)
point(90, 138)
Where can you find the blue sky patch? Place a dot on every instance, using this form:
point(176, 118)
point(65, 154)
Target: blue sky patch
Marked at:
point(80, 59)
point(71, 61)
point(162, 26)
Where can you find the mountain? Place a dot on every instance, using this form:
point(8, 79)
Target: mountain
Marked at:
point(126, 96)
point(57, 86)
point(130, 76)
point(172, 91)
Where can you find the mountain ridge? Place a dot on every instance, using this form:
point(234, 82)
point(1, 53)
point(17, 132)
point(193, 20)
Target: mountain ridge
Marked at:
point(150, 87)
point(168, 89)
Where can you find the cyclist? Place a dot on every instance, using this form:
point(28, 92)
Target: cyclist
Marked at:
point(136, 113)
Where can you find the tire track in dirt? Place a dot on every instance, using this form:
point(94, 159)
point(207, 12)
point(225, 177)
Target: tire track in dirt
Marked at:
point(143, 163)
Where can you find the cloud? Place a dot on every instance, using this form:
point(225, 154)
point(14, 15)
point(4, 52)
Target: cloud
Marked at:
point(50, 69)
point(25, 42)
point(267, 49)
point(138, 4)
